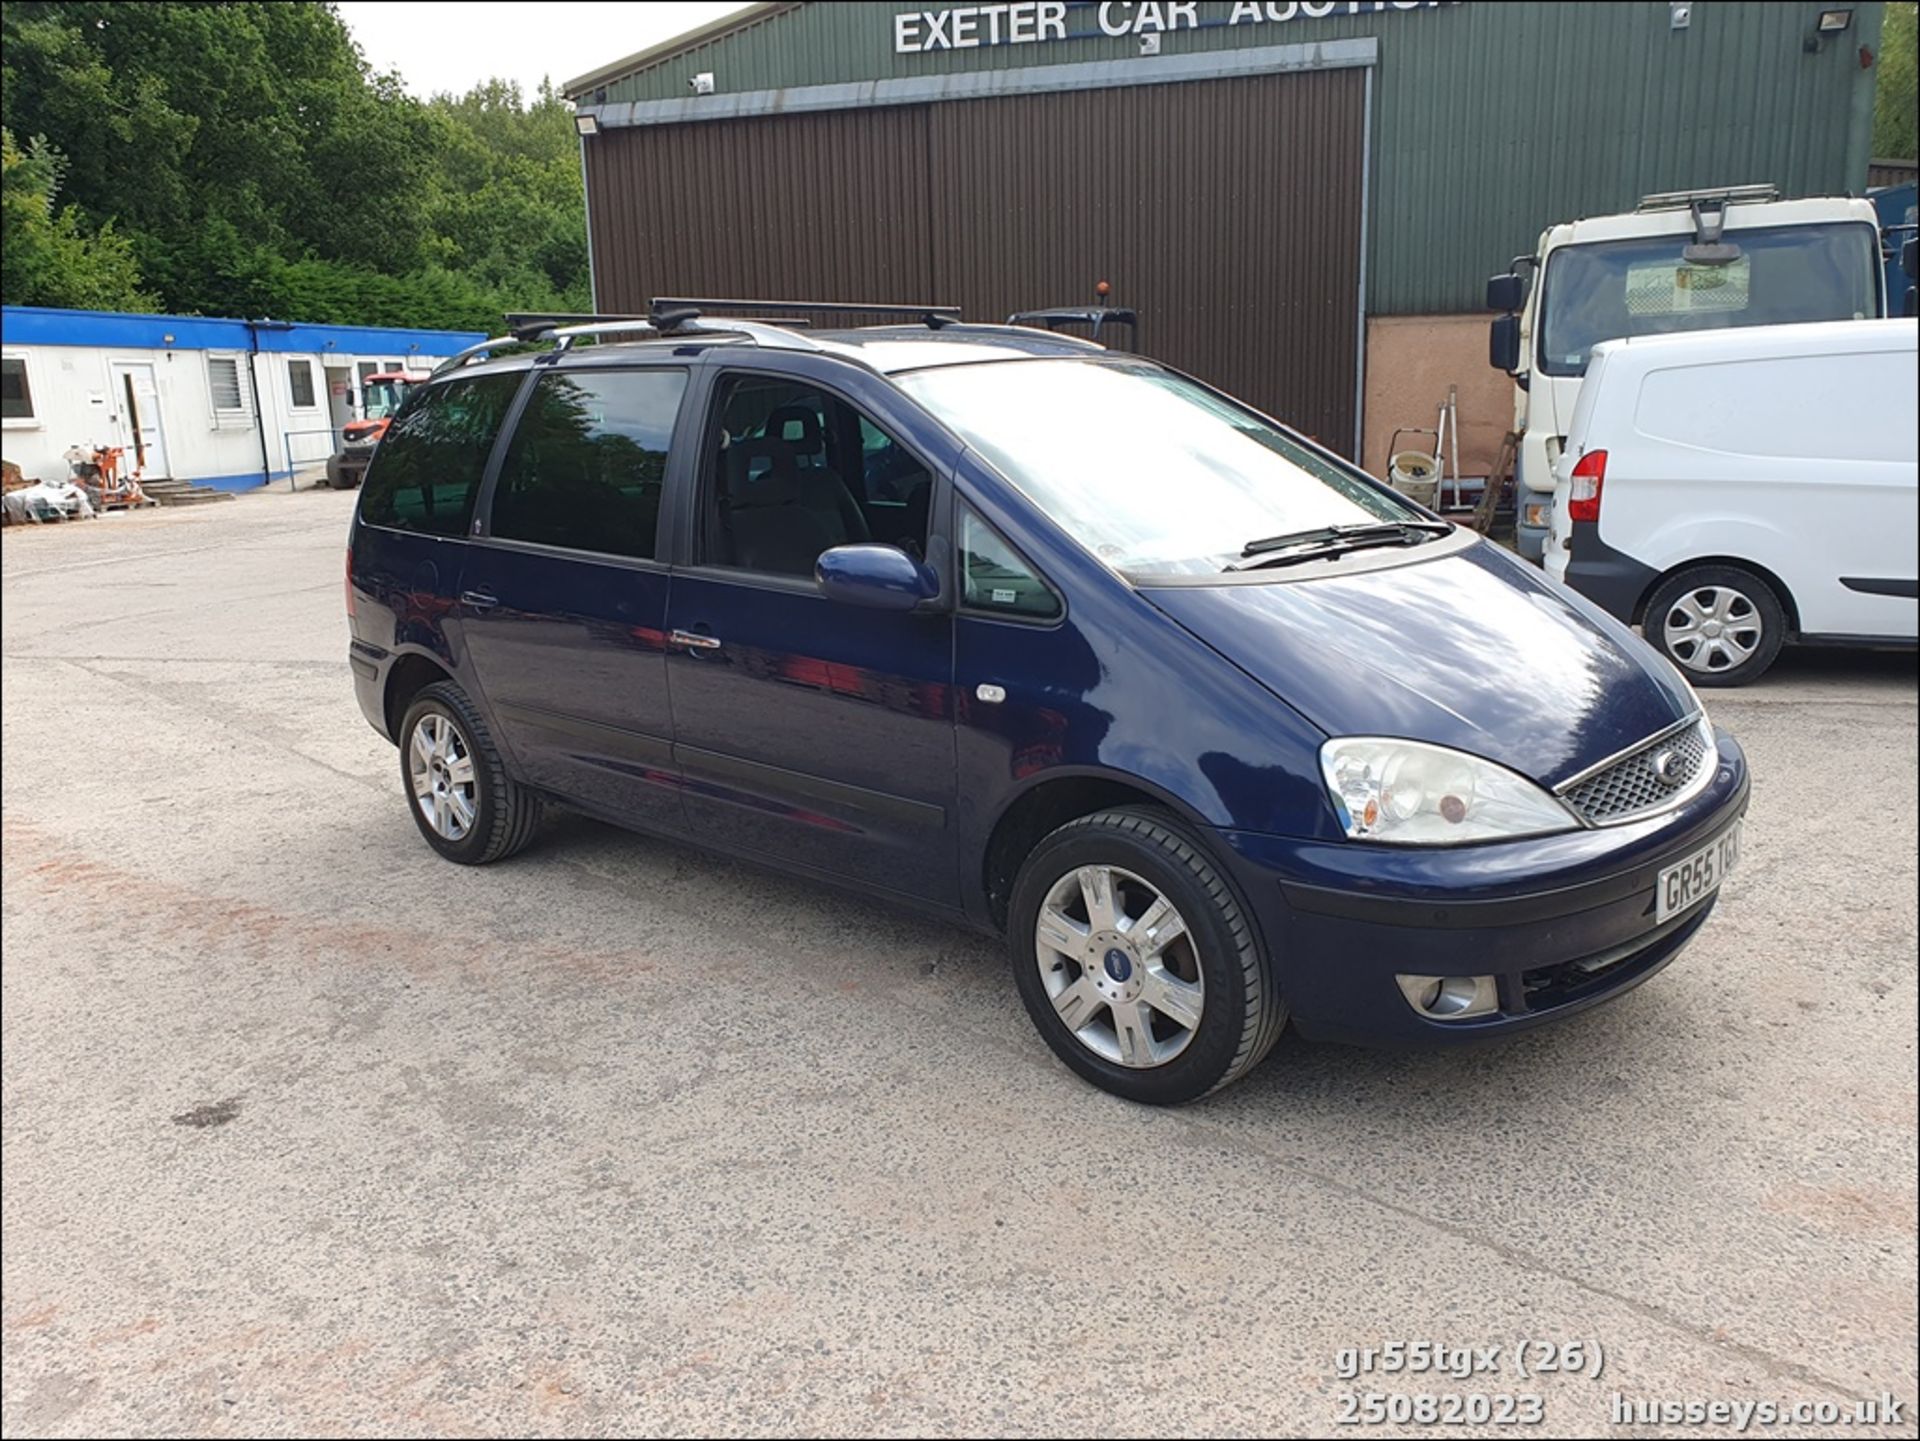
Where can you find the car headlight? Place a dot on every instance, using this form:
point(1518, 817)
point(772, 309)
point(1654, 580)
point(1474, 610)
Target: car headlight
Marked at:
point(1412, 794)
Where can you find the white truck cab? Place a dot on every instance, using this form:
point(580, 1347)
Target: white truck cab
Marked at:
point(1681, 262)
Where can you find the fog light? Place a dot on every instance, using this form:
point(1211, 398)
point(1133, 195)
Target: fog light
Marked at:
point(1450, 998)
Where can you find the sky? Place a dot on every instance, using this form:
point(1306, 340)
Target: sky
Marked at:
point(440, 46)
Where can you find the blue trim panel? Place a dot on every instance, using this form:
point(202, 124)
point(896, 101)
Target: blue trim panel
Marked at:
point(41, 325)
point(240, 480)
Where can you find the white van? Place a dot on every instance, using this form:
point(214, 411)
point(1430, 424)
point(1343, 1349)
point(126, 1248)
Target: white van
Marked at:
point(1681, 263)
point(1738, 489)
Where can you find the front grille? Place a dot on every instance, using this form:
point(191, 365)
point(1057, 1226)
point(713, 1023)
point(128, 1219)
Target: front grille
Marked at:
point(1647, 779)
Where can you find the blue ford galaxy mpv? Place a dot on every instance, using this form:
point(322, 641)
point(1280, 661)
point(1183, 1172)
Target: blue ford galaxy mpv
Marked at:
point(1217, 730)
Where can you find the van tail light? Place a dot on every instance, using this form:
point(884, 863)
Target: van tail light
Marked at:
point(1583, 497)
point(350, 611)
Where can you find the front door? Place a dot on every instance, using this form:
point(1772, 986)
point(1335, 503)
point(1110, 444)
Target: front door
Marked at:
point(136, 401)
point(810, 731)
point(563, 603)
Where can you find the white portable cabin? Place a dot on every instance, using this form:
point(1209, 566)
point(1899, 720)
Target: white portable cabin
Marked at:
point(230, 404)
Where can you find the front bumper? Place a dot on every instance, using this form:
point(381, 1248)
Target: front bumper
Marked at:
point(1563, 922)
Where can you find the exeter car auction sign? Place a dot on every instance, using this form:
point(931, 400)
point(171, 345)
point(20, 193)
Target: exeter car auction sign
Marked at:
point(1027, 22)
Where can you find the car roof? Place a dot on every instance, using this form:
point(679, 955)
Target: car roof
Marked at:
point(894, 348)
point(888, 349)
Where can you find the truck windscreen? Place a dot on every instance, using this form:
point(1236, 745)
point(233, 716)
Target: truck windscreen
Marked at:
point(1645, 286)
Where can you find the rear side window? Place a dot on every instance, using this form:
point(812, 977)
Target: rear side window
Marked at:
point(427, 470)
point(588, 462)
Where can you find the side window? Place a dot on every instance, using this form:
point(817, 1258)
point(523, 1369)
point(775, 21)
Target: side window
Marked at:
point(427, 470)
point(997, 580)
point(588, 462)
point(794, 470)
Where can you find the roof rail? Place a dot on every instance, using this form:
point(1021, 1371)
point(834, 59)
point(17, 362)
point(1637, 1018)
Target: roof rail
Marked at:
point(475, 352)
point(673, 324)
point(1723, 195)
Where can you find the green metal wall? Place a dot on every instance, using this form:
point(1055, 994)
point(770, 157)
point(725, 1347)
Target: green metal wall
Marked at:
point(1490, 120)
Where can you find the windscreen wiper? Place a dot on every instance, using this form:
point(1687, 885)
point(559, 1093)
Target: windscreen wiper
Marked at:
point(1328, 541)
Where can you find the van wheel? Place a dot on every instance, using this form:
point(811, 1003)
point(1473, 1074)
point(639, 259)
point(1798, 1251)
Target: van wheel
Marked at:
point(1720, 624)
point(461, 797)
point(1136, 960)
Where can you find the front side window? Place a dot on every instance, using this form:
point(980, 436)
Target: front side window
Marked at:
point(994, 578)
point(1151, 472)
point(426, 473)
point(588, 462)
point(300, 383)
point(16, 394)
point(1614, 289)
point(794, 470)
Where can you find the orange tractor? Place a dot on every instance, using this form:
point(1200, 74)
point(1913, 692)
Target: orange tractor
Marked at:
point(381, 396)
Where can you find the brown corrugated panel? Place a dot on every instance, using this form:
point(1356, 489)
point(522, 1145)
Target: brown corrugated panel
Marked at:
point(1226, 211)
point(828, 206)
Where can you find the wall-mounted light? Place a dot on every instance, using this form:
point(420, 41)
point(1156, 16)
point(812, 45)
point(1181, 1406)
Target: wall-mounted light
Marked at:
point(701, 84)
point(1831, 22)
point(587, 124)
point(168, 338)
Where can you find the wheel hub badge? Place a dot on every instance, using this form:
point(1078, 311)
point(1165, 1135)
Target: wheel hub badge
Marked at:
point(1119, 966)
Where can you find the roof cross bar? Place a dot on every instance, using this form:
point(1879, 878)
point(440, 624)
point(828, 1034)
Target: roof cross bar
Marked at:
point(933, 316)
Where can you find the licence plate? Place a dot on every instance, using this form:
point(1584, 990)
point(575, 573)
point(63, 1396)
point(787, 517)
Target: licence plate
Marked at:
point(1688, 882)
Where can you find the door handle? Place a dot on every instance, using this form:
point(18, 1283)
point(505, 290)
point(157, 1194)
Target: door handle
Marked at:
point(479, 599)
point(693, 641)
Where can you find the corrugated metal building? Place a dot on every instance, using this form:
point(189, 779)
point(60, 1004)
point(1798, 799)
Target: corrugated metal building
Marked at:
point(1303, 200)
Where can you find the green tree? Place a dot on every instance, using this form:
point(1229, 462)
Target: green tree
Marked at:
point(1895, 97)
point(250, 163)
point(48, 255)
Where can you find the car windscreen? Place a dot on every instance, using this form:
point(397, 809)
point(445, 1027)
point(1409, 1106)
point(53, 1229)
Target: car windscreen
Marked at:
point(1154, 474)
point(1618, 288)
point(383, 398)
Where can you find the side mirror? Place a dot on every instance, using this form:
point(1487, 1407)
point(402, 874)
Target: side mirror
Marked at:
point(1503, 343)
point(879, 577)
point(1506, 292)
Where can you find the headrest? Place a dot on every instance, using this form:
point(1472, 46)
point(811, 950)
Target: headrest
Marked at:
point(798, 426)
point(761, 472)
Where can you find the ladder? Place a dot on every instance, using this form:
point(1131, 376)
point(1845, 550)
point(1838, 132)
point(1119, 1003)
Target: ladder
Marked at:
point(1497, 479)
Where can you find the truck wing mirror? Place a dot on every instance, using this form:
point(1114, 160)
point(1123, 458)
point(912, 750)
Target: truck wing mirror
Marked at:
point(1503, 343)
point(1506, 292)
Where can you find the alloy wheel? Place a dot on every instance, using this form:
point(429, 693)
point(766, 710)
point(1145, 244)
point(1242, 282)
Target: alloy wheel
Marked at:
point(440, 766)
point(1119, 966)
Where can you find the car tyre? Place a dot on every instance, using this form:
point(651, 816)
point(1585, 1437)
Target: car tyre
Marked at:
point(1722, 625)
point(1080, 963)
point(466, 805)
